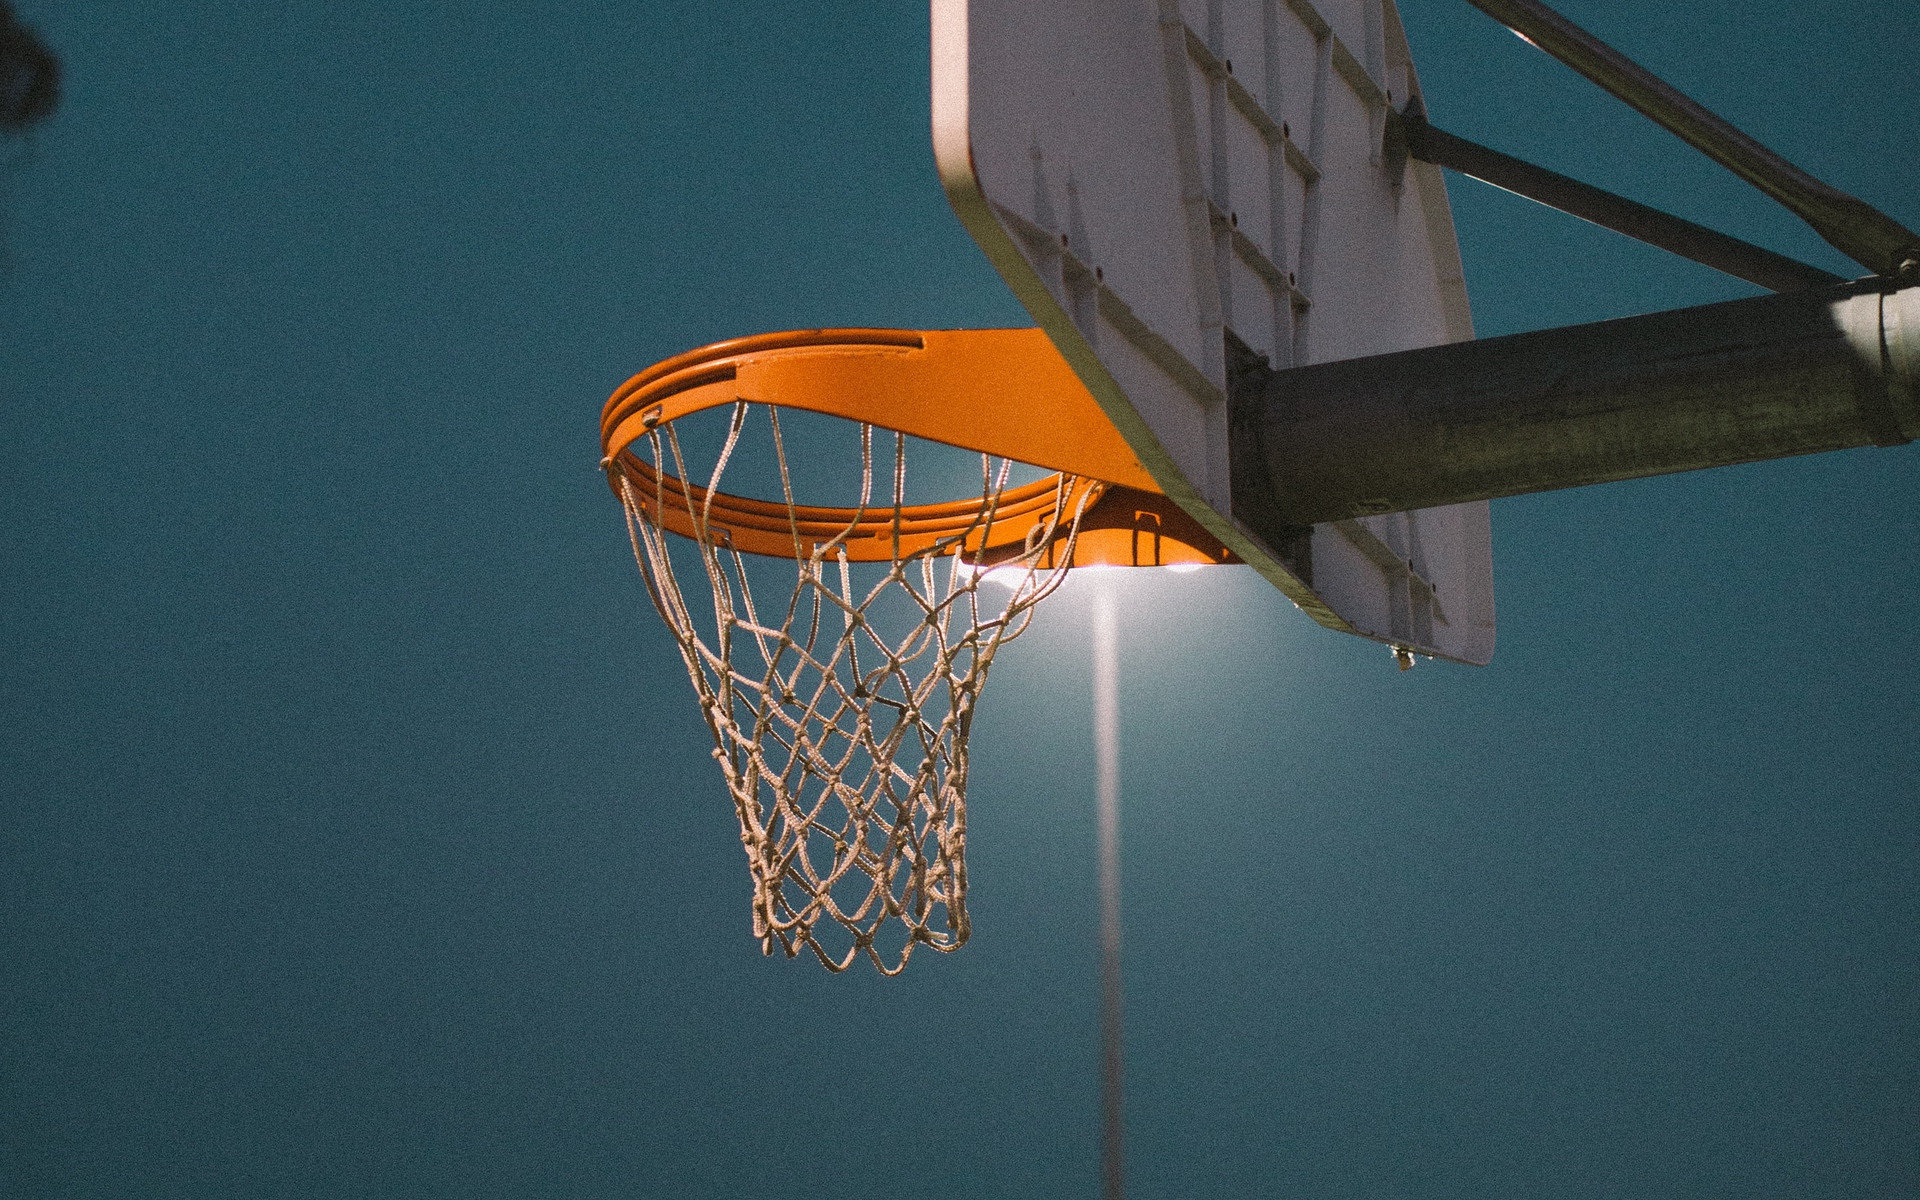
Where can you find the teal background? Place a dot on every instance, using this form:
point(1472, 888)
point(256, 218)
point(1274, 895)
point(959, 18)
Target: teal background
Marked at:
point(358, 835)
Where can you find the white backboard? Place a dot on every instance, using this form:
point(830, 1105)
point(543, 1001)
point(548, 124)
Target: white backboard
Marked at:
point(1150, 177)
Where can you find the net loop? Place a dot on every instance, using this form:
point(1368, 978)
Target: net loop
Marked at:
point(840, 715)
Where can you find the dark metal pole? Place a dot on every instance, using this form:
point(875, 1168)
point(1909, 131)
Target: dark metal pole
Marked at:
point(1700, 387)
point(1742, 260)
point(1857, 229)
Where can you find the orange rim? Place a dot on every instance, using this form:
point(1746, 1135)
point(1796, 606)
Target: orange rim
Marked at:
point(1001, 392)
point(876, 533)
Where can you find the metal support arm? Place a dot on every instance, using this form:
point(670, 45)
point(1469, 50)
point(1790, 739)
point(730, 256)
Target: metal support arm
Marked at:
point(1699, 387)
point(1742, 260)
point(1857, 229)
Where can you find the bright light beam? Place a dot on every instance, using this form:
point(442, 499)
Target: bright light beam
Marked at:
point(1106, 745)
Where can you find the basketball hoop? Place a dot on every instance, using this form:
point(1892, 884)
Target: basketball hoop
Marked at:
point(840, 712)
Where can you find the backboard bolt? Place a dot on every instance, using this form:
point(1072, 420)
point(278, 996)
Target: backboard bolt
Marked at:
point(1404, 657)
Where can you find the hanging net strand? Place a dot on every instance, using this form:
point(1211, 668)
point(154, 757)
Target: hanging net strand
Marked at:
point(840, 714)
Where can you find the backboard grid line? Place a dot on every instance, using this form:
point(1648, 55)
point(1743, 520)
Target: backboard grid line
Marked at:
point(1310, 199)
point(1227, 97)
point(1279, 164)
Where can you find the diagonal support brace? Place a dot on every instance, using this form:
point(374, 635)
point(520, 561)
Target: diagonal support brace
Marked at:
point(1409, 133)
point(1857, 229)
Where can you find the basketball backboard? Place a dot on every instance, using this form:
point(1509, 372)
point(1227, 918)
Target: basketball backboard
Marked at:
point(1178, 189)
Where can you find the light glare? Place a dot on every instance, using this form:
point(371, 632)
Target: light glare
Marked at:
point(1011, 578)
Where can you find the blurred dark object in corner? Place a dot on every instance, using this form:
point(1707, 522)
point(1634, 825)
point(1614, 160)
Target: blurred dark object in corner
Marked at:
point(29, 74)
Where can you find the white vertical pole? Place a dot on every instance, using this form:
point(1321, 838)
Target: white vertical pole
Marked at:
point(1106, 744)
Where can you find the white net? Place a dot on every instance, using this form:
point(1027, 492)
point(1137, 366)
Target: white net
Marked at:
point(840, 712)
